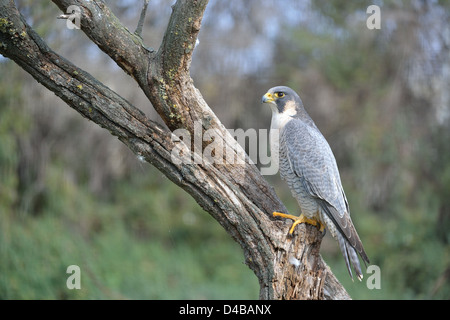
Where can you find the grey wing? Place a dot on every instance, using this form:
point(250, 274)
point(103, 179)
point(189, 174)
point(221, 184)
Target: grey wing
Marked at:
point(313, 162)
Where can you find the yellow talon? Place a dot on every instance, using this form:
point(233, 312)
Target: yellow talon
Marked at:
point(298, 220)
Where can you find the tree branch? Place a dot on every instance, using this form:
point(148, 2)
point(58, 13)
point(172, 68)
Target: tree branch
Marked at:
point(175, 52)
point(113, 38)
point(236, 195)
point(140, 24)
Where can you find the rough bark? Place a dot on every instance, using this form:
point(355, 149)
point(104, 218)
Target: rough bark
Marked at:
point(236, 195)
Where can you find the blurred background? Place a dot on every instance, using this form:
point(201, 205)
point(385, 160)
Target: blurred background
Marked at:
point(70, 193)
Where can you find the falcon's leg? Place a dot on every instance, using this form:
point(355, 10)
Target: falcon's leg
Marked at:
point(298, 220)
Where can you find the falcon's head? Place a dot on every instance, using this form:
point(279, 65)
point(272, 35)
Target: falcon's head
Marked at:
point(283, 100)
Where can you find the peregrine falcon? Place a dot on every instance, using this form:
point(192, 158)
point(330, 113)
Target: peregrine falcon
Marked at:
point(307, 164)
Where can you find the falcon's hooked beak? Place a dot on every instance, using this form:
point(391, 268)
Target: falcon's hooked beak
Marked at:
point(267, 98)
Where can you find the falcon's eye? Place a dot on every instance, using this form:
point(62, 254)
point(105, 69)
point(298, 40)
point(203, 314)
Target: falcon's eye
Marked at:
point(279, 94)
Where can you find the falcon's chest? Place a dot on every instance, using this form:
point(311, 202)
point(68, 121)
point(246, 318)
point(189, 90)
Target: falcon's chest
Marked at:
point(278, 147)
point(277, 125)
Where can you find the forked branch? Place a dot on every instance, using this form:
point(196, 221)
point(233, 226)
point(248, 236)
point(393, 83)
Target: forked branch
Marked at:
point(235, 194)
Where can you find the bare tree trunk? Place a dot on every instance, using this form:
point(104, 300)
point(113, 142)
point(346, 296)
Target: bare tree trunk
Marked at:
point(236, 195)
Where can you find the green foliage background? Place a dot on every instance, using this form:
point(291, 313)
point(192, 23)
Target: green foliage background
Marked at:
point(72, 194)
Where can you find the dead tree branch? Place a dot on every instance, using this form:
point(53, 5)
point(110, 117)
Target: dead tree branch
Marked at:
point(236, 195)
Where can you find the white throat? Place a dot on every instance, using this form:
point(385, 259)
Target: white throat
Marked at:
point(279, 120)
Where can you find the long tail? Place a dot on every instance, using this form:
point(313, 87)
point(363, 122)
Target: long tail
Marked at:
point(343, 230)
point(350, 256)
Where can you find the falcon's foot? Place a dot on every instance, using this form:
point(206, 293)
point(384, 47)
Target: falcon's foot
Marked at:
point(298, 220)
